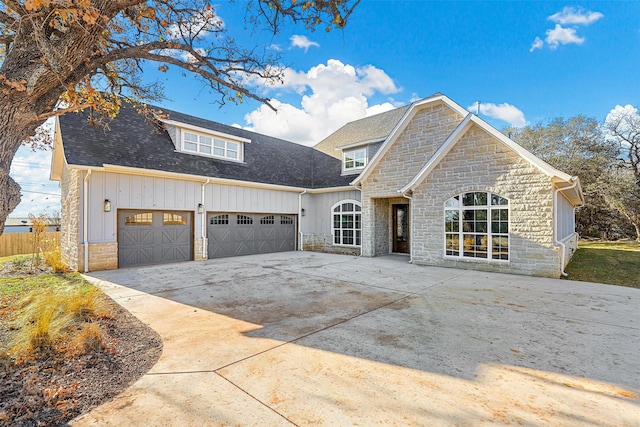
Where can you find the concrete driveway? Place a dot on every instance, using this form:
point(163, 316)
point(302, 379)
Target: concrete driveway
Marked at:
point(301, 338)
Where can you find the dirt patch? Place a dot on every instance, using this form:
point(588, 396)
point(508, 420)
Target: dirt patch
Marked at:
point(51, 389)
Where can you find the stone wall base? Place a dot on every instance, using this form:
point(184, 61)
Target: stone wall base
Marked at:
point(102, 256)
point(198, 253)
point(324, 243)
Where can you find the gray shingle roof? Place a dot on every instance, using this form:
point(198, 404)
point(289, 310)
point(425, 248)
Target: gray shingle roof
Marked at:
point(132, 141)
point(374, 127)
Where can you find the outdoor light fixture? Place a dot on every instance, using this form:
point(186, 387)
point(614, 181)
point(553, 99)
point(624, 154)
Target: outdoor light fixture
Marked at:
point(107, 205)
point(200, 208)
point(303, 212)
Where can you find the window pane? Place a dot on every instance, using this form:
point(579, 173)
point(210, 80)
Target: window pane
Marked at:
point(336, 237)
point(232, 146)
point(190, 146)
point(205, 140)
point(139, 219)
point(218, 152)
point(358, 208)
point(232, 154)
point(452, 202)
point(336, 221)
point(347, 207)
point(205, 149)
point(219, 143)
point(190, 137)
point(497, 200)
point(174, 219)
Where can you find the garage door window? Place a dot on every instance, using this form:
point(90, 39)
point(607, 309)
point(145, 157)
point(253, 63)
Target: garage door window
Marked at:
point(347, 223)
point(220, 220)
point(286, 220)
point(266, 220)
point(244, 220)
point(174, 219)
point(145, 218)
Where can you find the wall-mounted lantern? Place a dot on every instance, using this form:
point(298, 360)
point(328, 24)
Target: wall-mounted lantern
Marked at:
point(200, 208)
point(303, 212)
point(107, 205)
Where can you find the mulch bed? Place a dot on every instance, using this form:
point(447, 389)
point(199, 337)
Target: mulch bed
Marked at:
point(52, 388)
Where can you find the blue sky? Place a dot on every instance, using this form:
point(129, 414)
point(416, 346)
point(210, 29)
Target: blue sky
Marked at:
point(526, 61)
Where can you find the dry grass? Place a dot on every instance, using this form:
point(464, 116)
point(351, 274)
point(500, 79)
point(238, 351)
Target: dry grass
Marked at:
point(53, 258)
point(55, 315)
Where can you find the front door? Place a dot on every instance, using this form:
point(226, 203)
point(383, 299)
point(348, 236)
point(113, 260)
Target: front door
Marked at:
point(401, 229)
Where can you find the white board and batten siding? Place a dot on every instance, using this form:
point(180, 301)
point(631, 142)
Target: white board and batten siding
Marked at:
point(155, 193)
point(565, 217)
point(318, 216)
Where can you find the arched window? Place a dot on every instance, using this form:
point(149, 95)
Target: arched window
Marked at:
point(346, 224)
point(476, 225)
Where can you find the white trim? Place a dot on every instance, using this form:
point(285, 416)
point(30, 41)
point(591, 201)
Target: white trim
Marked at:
point(354, 212)
point(488, 207)
point(358, 144)
point(402, 124)
point(239, 151)
point(355, 169)
point(439, 154)
point(204, 130)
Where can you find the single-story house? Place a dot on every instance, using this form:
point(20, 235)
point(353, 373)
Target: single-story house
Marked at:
point(429, 180)
point(24, 225)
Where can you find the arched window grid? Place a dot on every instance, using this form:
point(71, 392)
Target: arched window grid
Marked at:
point(346, 223)
point(476, 226)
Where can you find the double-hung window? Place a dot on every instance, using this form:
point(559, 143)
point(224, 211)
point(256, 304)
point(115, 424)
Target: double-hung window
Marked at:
point(476, 226)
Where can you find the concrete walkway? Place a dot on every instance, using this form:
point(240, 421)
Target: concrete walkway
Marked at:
point(303, 338)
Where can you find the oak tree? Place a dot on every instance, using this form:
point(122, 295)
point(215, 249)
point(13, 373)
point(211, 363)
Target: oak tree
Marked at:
point(59, 56)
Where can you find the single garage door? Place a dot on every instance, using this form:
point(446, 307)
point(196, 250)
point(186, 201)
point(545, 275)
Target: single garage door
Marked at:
point(234, 234)
point(154, 237)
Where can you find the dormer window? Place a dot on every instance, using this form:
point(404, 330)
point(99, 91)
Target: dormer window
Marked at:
point(211, 146)
point(354, 160)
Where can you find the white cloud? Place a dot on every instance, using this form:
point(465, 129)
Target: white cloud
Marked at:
point(569, 15)
point(505, 112)
point(537, 44)
point(625, 118)
point(332, 94)
point(560, 35)
point(302, 42)
point(566, 29)
point(30, 169)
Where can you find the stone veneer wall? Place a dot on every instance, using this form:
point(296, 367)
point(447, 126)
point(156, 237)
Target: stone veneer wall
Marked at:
point(426, 132)
point(70, 216)
point(324, 243)
point(197, 249)
point(102, 256)
point(478, 162)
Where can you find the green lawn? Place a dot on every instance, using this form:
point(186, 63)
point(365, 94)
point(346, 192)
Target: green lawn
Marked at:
point(614, 263)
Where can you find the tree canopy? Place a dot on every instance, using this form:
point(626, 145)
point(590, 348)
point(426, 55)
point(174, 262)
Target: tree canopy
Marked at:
point(59, 56)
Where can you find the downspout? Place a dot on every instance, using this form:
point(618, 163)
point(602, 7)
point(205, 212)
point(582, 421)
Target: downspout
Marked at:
point(360, 190)
point(204, 219)
point(555, 223)
point(301, 244)
point(404, 194)
point(85, 221)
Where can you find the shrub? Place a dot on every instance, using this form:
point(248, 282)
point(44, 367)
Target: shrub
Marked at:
point(51, 317)
point(53, 258)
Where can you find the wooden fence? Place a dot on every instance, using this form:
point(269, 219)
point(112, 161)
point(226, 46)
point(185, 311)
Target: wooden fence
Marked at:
point(22, 243)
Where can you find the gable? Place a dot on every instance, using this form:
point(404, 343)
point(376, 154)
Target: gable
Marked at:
point(401, 158)
point(372, 129)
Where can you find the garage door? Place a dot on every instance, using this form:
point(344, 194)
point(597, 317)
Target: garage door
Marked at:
point(234, 234)
point(154, 237)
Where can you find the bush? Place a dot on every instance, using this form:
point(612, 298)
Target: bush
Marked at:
point(53, 258)
point(50, 318)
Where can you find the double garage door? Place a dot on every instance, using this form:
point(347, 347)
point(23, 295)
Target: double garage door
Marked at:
point(155, 237)
point(235, 234)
